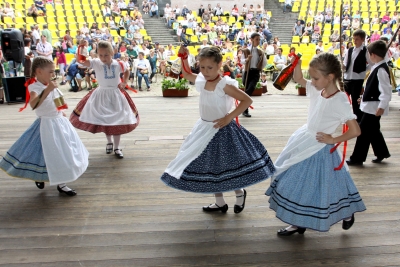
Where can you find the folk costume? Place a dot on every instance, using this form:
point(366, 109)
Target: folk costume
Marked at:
point(214, 160)
point(377, 94)
point(306, 190)
point(252, 70)
point(357, 62)
point(106, 109)
point(50, 150)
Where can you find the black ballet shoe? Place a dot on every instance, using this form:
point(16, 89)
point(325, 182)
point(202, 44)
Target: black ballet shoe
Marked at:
point(284, 232)
point(246, 114)
point(70, 193)
point(109, 148)
point(346, 225)
point(223, 209)
point(119, 155)
point(39, 185)
point(379, 159)
point(237, 208)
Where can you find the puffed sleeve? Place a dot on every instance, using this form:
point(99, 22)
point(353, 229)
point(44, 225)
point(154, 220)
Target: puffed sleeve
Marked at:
point(200, 82)
point(311, 90)
point(343, 109)
point(219, 90)
point(36, 87)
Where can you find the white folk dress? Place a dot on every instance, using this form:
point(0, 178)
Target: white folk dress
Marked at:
point(107, 108)
point(50, 150)
point(217, 160)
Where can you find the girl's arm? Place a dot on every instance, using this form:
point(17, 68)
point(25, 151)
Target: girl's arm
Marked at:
point(353, 131)
point(245, 102)
point(188, 76)
point(86, 63)
point(298, 75)
point(125, 78)
point(36, 100)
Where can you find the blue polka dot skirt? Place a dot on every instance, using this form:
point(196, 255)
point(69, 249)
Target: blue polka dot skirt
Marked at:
point(311, 194)
point(25, 158)
point(233, 159)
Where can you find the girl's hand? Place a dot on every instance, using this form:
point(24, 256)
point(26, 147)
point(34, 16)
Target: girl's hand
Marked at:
point(325, 138)
point(183, 50)
point(52, 85)
point(63, 113)
point(122, 85)
point(221, 123)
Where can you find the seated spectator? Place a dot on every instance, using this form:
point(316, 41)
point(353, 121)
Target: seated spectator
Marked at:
point(355, 25)
point(122, 48)
point(320, 46)
point(280, 60)
point(292, 53)
point(103, 28)
point(346, 6)
point(142, 69)
point(128, 37)
point(298, 29)
point(200, 11)
point(385, 19)
point(145, 7)
point(212, 35)
point(112, 25)
point(184, 11)
point(88, 38)
point(308, 29)
point(167, 12)
point(184, 37)
point(328, 9)
point(277, 42)
point(333, 47)
point(154, 10)
point(375, 36)
point(317, 51)
point(244, 10)
point(84, 29)
point(387, 28)
point(346, 24)
point(250, 13)
point(170, 51)
point(137, 36)
point(140, 22)
point(177, 11)
point(79, 35)
point(336, 19)
point(94, 27)
point(204, 44)
point(104, 36)
point(388, 34)
point(39, 5)
point(71, 48)
point(319, 18)
point(73, 72)
point(136, 13)
point(317, 28)
point(235, 11)
point(206, 18)
point(315, 37)
point(287, 6)
point(116, 12)
point(106, 11)
point(32, 11)
point(190, 15)
point(328, 17)
point(375, 20)
point(122, 5)
point(394, 19)
point(335, 36)
point(218, 10)
point(259, 12)
point(357, 15)
point(218, 42)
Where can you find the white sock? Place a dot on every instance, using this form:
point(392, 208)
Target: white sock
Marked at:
point(109, 138)
point(291, 228)
point(348, 219)
point(220, 201)
point(117, 139)
point(64, 187)
point(239, 197)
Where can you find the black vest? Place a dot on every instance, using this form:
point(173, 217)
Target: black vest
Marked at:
point(360, 63)
point(371, 92)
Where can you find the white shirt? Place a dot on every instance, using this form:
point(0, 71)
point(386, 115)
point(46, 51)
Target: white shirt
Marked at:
point(288, 2)
point(36, 36)
point(255, 59)
point(121, 5)
point(45, 48)
point(385, 88)
point(349, 74)
point(321, 48)
point(280, 59)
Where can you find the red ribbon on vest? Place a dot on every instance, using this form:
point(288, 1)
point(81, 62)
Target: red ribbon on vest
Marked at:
point(27, 94)
point(345, 128)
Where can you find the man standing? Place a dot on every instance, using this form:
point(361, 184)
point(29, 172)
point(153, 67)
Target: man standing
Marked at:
point(255, 61)
point(46, 32)
point(44, 48)
point(35, 34)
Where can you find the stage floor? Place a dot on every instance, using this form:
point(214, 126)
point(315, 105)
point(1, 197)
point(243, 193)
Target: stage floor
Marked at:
point(124, 215)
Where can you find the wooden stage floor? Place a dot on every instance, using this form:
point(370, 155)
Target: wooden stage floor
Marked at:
point(124, 215)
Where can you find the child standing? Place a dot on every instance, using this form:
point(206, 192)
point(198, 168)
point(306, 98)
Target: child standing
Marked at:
point(108, 108)
point(263, 82)
point(308, 191)
point(218, 155)
point(62, 62)
point(374, 105)
point(50, 150)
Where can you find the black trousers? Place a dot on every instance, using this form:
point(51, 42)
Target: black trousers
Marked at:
point(353, 88)
point(253, 78)
point(370, 135)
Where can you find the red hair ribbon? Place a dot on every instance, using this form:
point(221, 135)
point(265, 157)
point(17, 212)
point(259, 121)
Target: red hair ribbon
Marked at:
point(344, 129)
point(291, 68)
point(27, 94)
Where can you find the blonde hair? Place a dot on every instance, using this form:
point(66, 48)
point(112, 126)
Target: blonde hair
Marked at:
point(40, 62)
point(105, 45)
point(328, 63)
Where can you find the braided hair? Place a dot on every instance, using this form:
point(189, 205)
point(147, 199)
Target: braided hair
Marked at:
point(211, 52)
point(40, 62)
point(328, 63)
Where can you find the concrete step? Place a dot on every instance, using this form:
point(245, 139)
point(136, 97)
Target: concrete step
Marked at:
point(281, 24)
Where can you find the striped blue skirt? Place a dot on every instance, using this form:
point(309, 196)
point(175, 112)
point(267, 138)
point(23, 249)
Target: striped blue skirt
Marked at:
point(233, 159)
point(311, 194)
point(25, 157)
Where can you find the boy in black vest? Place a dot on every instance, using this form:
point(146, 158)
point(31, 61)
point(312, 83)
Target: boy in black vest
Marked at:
point(374, 104)
point(355, 65)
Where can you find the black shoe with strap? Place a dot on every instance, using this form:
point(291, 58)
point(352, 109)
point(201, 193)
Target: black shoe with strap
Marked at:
point(39, 185)
point(239, 208)
point(346, 225)
point(223, 209)
point(70, 192)
point(109, 148)
point(284, 232)
point(119, 153)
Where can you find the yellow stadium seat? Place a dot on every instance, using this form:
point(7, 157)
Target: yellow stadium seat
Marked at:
point(295, 39)
point(40, 20)
point(194, 39)
point(143, 32)
point(148, 38)
point(30, 20)
point(69, 57)
point(114, 32)
point(122, 32)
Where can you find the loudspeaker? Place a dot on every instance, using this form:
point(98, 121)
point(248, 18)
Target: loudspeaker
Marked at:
point(14, 89)
point(12, 44)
